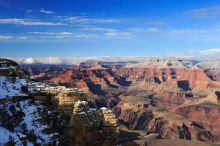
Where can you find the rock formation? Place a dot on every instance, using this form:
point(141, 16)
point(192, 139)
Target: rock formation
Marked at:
point(175, 99)
point(89, 126)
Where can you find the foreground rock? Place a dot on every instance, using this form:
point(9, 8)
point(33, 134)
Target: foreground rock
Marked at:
point(45, 118)
point(89, 126)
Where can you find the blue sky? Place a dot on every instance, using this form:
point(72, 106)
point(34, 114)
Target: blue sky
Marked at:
point(68, 28)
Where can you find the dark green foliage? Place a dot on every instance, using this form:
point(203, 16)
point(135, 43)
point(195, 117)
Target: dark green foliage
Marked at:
point(24, 129)
point(24, 89)
point(13, 79)
point(11, 118)
point(7, 62)
point(49, 101)
point(10, 69)
point(53, 84)
point(11, 141)
point(169, 64)
point(12, 72)
point(31, 136)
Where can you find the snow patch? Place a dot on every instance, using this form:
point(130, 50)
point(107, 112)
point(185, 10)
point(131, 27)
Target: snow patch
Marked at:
point(32, 119)
point(11, 87)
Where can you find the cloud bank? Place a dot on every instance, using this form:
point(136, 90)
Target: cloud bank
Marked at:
point(75, 60)
point(207, 54)
point(28, 22)
point(10, 37)
point(206, 12)
point(46, 11)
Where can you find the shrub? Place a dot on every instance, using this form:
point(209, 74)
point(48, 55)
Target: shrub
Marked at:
point(10, 142)
point(24, 89)
point(31, 136)
point(169, 64)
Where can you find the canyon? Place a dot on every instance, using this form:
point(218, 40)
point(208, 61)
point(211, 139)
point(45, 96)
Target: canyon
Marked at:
point(57, 116)
point(174, 99)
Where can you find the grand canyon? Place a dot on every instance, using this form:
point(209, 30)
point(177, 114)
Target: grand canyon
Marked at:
point(109, 73)
point(156, 101)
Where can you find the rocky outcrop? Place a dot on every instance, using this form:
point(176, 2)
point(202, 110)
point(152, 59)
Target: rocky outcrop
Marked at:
point(13, 81)
point(168, 128)
point(89, 126)
point(110, 123)
point(85, 117)
point(37, 69)
point(62, 78)
point(26, 122)
point(205, 118)
point(67, 99)
point(170, 76)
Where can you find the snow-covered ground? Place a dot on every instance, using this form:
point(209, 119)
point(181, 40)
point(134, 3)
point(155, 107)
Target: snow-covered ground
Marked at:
point(24, 122)
point(11, 87)
point(7, 66)
point(30, 129)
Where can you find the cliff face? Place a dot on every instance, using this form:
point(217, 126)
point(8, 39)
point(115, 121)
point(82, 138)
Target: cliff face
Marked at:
point(170, 125)
point(174, 85)
point(43, 72)
point(62, 78)
point(92, 79)
point(193, 77)
point(96, 78)
point(206, 118)
point(213, 74)
point(13, 81)
point(89, 126)
point(22, 121)
point(35, 70)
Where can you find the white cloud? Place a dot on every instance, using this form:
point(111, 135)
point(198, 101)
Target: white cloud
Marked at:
point(92, 32)
point(51, 60)
point(204, 12)
point(10, 37)
point(28, 61)
point(52, 33)
point(85, 36)
point(28, 22)
point(76, 19)
point(57, 35)
point(98, 29)
point(29, 11)
point(187, 31)
point(46, 11)
point(212, 51)
point(46, 60)
point(118, 34)
point(74, 60)
point(6, 37)
point(109, 32)
point(206, 54)
point(145, 30)
point(206, 34)
point(22, 37)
